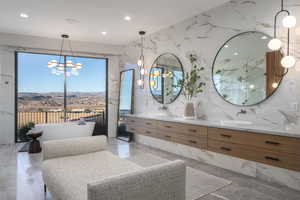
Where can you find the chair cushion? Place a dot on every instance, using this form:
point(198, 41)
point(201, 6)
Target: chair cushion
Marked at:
point(67, 177)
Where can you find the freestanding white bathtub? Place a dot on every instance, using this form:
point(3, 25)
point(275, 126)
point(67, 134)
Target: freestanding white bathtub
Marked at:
point(64, 130)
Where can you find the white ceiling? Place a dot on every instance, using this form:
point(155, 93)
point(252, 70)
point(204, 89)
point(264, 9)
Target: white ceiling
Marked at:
point(84, 20)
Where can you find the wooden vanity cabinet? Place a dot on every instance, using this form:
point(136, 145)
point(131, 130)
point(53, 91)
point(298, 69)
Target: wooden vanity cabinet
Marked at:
point(195, 136)
point(270, 149)
point(280, 151)
point(265, 141)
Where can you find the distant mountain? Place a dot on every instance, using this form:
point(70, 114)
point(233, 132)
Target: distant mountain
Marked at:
point(30, 94)
point(29, 102)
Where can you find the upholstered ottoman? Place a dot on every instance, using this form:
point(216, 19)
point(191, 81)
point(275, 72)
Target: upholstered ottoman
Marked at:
point(81, 169)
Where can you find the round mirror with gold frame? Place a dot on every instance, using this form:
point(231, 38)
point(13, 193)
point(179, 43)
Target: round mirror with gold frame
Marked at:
point(165, 76)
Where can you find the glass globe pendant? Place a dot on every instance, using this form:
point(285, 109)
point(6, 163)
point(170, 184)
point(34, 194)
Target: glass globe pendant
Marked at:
point(288, 61)
point(289, 21)
point(275, 44)
point(140, 82)
point(141, 62)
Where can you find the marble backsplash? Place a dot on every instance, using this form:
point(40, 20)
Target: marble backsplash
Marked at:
point(203, 35)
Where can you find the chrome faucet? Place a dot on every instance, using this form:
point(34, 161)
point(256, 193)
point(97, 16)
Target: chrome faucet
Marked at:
point(242, 111)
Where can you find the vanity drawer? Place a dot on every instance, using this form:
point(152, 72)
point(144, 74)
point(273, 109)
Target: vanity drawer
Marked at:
point(131, 121)
point(194, 142)
point(181, 138)
point(264, 141)
point(183, 129)
point(142, 130)
point(146, 131)
point(147, 123)
point(140, 122)
point(278, 159)
point(131, 128)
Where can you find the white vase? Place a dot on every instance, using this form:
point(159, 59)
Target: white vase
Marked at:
point(189, 110)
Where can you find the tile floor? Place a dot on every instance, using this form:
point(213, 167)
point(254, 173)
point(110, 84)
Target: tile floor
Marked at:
point(20, 176)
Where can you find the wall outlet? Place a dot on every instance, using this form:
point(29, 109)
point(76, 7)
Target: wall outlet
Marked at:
point(295, 107)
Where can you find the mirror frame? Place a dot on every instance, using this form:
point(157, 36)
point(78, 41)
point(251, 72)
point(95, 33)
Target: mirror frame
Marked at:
point(119, 101)
point(181, 66)
point(132, 90)
point(213, 65)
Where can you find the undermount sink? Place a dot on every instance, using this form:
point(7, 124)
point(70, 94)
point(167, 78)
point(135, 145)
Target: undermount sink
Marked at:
point(235, 122)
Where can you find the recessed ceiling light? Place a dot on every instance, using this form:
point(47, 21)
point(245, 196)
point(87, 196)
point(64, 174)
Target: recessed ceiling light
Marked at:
point(127, 18)
point(71, 21)
point(24, 15)
point(236, 53)
point(103, 32)
point(226, 46)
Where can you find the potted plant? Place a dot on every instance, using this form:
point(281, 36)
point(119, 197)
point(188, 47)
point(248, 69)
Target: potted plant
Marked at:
point(24, 130)
point(191, 86)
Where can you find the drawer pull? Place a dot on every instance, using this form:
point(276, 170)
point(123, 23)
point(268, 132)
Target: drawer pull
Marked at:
point(272, 158)
point(148, 132)
point(167, 136)
point(225, 149)
point(148, 123)
point(193, 130)
point(132, 129)
point(132, 121)
point(193, 141)
point(272, 143)
point(225, 135)
point(168, 126)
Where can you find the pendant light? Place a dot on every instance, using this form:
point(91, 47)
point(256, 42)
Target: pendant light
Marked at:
point(275, 44)
point(62, 66)
point(141, 63)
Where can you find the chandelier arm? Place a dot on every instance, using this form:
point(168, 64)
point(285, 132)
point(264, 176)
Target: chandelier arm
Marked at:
point(61, 50)
point(72, 53)
point(70, 46)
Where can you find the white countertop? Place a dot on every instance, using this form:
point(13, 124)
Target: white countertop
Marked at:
point(218, 124)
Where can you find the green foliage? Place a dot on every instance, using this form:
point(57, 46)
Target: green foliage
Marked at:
point(24, 130)
point(218, 72)
point(192, 84)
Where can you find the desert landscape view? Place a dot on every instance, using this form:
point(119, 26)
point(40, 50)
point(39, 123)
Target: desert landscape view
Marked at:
point(49, 107)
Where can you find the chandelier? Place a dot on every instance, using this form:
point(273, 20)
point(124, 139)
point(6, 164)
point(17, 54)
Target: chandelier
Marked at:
point(141, 63)
point(275, 44)
point(62, 65)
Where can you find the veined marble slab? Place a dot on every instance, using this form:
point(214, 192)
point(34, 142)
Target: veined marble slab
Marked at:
point(219, 124)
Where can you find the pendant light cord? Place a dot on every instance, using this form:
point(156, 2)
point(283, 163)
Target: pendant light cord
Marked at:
point(275, 26)
point(61, 49)
point(142, 47)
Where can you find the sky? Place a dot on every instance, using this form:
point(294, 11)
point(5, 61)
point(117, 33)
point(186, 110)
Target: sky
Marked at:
point(35, 76)
point(126, 90)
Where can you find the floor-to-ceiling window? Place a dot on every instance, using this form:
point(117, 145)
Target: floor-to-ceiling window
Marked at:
point(45, 96)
